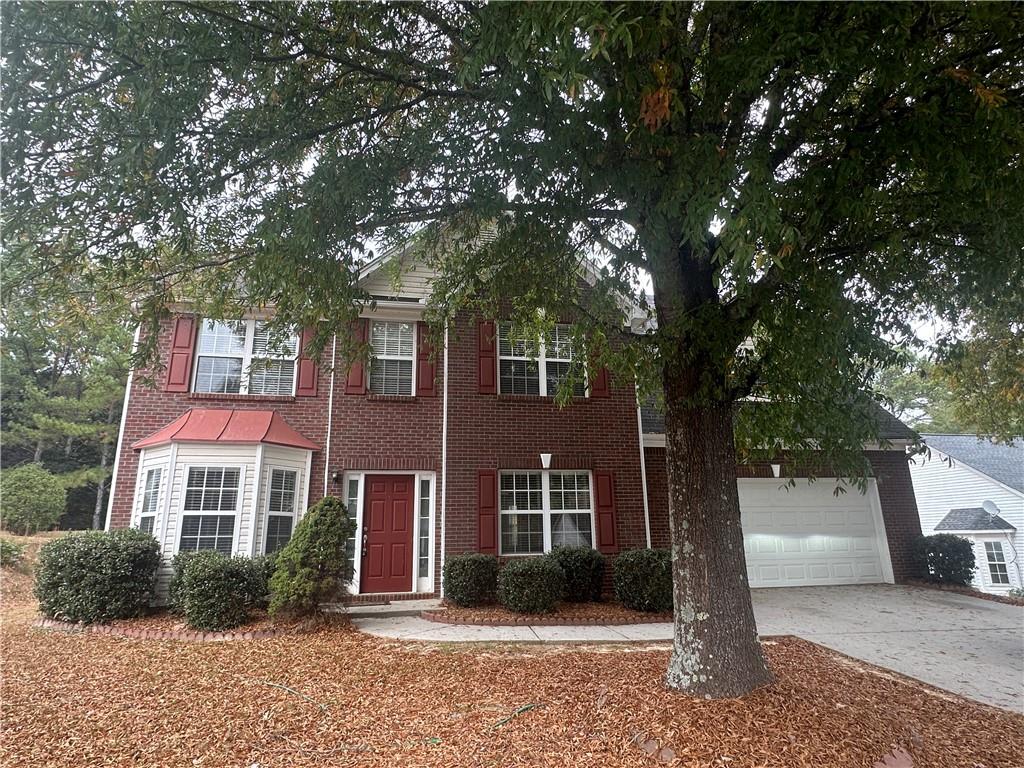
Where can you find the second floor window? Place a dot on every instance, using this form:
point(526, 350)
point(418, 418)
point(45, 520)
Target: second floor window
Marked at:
point(242, 358)
point(537, 367)
point(391, 369)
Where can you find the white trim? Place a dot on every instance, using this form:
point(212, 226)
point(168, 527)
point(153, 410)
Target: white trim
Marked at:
point(643, 471)
point(172, 462)
point(961, 463)
point(246, 357)
point(403, 311)
point(428, 577)
point(400, 358)
point(265, 506)
point(253, 526)
point(120, 432)
point(330, 417)
point(182, 514)
point(416, 475)
point(307, 483)
point(444, 453)
point(545, 511)
point(653, 439)
point(541, 360)
point(139, 500)
point(657, 440)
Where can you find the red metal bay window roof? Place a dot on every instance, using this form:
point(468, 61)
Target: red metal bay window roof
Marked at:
point(211, 425)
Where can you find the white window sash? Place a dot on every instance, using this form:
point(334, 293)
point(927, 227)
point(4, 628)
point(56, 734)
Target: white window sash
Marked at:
point(247, 357)
point(542, 360)
point(546, 511)
point(236, 512)
point(411, 358)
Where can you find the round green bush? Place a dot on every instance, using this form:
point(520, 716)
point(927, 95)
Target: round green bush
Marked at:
point(944, 558)
point(312, 565)
point(215, 591)
point(531, 585)
point(470, 579)
point(31, 499)
point(97, 576)
point(643, 579)
point(584, 573)
point(11, 553)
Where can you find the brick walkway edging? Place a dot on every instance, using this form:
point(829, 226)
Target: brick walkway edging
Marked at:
point(187, 635)
point(544, 621)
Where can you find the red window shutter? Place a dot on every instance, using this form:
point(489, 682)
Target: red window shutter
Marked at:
point(599, 387)
point(487, 509)
point(355, 384)
point(183, 345)
point(308, 370)
point(604, 490)
point(426, 368)
point(487, 358)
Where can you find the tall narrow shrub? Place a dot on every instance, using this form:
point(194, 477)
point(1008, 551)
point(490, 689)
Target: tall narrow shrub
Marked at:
point(311, 567)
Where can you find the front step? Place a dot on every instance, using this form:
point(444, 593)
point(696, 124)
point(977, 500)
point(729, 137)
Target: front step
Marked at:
point(383, 610)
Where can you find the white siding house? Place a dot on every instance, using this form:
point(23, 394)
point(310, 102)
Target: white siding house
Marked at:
point(969, 479)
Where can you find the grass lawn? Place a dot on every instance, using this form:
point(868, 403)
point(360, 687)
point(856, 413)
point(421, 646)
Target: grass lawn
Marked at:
point(359, 700)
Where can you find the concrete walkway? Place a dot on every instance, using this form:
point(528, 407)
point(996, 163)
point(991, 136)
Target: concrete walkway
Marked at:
point(960, 643)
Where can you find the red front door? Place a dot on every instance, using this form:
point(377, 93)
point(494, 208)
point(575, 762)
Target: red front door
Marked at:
point(387, 534)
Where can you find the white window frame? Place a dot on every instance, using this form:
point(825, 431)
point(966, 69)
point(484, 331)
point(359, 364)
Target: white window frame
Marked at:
point(421, 582)
point(247, 357)
point(546, 511)
point(501, 328)
point(266, 511)
point(140, 496)
point(374, 356)
point(989, 562)
point(237, 512)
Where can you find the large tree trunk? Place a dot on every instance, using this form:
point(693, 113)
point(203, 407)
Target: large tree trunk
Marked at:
point(715, 651)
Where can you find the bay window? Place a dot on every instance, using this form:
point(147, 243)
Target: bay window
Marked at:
point(150, 500)
point(394, 351)
point(241, 357)
point(280, 508)
point(537, 366)
point(542, 510)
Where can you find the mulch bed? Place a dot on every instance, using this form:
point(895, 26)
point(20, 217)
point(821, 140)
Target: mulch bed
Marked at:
point(565, 615)
point(164, 625)
point(971, 592)
point(336, 697)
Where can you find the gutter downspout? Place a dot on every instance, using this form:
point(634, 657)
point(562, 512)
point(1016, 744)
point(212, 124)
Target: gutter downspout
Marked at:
point(330, 414)
point(120, 434)
point(643, 470)
point(444, 454)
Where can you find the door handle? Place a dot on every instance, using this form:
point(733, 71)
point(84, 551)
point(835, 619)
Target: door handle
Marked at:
point(365, 539)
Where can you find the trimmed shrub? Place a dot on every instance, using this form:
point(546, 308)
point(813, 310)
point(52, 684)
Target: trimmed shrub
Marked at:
point(470, 579)
point(643, 579)
point(32, 499)
point(260, 570)
point(178, 563)
point(215, 591)
point(311, 567)
point(531, 585)
point(584, 573)
point(11, 553)
point(97, 576)
point(944, 558)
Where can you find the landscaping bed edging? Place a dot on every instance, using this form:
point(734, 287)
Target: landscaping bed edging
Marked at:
point(969, 591)
point(544, 621)
point(187, 635)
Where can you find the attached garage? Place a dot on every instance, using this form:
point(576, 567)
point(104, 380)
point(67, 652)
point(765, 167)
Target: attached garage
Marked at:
point(806, 535)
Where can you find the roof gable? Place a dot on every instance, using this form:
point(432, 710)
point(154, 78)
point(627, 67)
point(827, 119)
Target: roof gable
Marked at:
point(1003, 463)
point(972, 519)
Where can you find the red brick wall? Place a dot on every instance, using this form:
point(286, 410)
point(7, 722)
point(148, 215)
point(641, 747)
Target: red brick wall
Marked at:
point(510, 432)
point(895, 493)
point(150, 408)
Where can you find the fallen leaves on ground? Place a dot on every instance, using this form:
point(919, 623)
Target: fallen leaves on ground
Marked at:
point(336, 697)
point(590, 613)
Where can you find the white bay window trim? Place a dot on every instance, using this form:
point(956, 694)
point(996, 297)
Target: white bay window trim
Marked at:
point(149, 497)
point(256, 361)
point(546, 512)
point(236, 512)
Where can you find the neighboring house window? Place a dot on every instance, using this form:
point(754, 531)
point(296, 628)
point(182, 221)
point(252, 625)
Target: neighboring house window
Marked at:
point(391, 369)
point(531, 367)
point(208, 492)
point(540, 510)
point(996, 562)
point(150, 498)
point(240, 358)
point(280, 508)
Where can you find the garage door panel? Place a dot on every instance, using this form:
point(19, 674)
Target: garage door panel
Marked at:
point(806, 536)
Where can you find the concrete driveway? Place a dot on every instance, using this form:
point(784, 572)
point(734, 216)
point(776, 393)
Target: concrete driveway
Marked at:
point(963, 644)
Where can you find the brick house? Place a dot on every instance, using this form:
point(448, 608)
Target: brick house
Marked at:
point(458, 450)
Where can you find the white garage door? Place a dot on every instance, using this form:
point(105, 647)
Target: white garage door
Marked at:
point(805, 535)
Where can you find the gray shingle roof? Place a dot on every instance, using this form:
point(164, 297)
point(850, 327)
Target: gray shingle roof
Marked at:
point(972, 519)
point(1001, 462)
point(889, 427)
